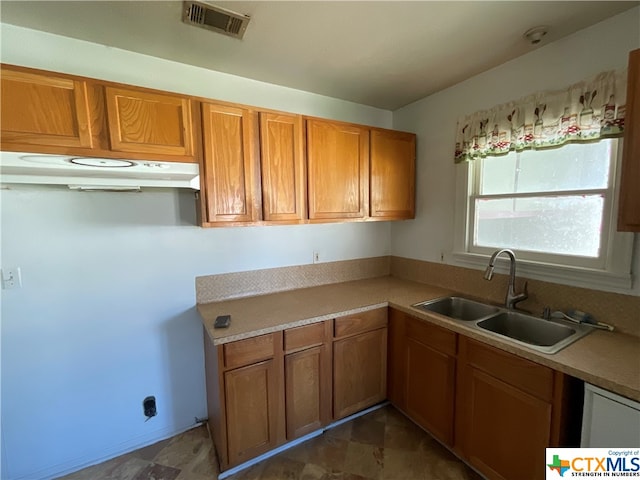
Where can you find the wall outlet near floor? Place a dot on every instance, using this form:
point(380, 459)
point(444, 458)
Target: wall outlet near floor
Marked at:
point(316, 257)
point(11, 278)
point(149, 406)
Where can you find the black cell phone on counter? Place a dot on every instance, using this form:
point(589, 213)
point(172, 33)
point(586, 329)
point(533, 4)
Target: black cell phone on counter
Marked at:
point(222, 321)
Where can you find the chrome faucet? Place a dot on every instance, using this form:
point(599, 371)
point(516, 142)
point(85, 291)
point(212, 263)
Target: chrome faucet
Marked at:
point(512, 296)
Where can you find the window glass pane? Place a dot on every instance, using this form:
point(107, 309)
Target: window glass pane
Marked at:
point(567, 225)
point(576, 166)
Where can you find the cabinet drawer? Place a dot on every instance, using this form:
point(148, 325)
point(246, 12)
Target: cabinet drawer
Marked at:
point(360, 322)
point(304, 336)
point(518, 372)
point(438, 338)
point(251, 350)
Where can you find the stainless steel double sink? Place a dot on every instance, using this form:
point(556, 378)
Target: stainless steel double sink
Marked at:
point(546, 336)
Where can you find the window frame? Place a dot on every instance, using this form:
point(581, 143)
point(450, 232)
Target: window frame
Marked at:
point(611, 270)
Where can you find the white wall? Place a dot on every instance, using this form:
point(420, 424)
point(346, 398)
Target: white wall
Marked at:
point(603, 46)
point(106, 312)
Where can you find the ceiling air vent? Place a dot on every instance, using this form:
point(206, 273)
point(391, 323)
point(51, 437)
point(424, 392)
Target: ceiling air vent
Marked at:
point(215, 18)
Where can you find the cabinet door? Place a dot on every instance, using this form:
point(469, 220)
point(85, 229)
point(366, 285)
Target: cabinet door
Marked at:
point(629, 205)
point(146, 122)
point(284, 186)
point(230, 168)
point(338, 164)
point(43, 109)
point(505, 429)
point(251, 395)
point(430, 388)
point(307, 391)
point(393, 178)
point(359, 372)
point(504, 412)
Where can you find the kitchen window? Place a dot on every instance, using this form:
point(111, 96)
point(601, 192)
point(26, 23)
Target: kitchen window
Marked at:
point(538, 175)
point(554, 206)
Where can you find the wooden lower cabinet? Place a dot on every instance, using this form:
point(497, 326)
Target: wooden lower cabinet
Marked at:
point(423, 373)
point(359, 363)
point(245, 397)
point(251, 398)
point(508, 411)
point(267, 390)
point(497, 411)
point(430, 379)
point(307, 379)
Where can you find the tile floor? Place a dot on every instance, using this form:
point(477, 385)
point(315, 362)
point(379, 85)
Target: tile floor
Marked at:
point(378, 446)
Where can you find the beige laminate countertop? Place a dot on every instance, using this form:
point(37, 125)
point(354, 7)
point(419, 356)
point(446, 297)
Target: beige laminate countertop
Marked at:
point(609, 360)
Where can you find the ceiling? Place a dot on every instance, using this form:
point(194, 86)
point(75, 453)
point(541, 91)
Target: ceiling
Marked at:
point(385, 53)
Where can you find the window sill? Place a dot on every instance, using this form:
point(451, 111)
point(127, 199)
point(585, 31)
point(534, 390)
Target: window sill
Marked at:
point(575, 276)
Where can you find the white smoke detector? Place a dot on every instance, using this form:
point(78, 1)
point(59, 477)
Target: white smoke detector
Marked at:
point(534, 35)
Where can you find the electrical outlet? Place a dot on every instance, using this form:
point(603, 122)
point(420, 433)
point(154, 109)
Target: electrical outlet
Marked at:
point(149, 407)
point(316, 257)
point(11, 278)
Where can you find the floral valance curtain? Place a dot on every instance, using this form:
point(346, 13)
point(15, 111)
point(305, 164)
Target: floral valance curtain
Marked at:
point(586, 111)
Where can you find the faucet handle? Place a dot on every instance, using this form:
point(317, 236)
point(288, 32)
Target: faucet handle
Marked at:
point(520, 296)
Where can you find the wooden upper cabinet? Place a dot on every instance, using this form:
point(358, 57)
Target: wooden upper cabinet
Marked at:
point(43, 109)
point(231, 192)
point(283, 168)
point(149, 122)
point(338, 170)
point(393, 160)
point(629, 204)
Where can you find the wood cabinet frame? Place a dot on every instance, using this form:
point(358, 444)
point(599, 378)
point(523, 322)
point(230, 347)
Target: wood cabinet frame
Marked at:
point(359, 361)
point(338, 170)
point(629, 196)
point(474, 373)
point(218, 378)
point(263, 373)
point(139, 123)
point(295, 169)
point(64, 98)
point(283, 167)
point(85, 111)
point(392, 174)
point(308, 355)
point(521, 390)
point(230, 176)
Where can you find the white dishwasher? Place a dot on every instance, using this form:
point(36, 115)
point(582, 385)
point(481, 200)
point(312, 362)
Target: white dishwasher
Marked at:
point(609, 420)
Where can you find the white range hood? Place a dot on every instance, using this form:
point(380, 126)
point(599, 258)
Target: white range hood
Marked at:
point(85, 173)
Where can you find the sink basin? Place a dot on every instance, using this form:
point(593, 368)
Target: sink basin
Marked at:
point(546, 336)
point(543, 335)
point(458, 308)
